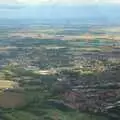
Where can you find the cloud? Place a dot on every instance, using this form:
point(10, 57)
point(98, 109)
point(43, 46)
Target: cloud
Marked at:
point(65, 2)
point(6, 5)
point(111, 1)
point(57, 1)
point(8, 1)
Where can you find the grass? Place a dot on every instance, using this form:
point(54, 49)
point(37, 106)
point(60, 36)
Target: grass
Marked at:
point(20, 115)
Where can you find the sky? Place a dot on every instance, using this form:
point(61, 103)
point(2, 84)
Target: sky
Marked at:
point(67, 2)
point(59, 9)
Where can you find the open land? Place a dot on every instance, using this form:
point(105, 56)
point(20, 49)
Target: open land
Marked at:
point(60, 73)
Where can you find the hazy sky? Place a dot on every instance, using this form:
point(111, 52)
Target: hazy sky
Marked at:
point(59, 8)
point(65, 2)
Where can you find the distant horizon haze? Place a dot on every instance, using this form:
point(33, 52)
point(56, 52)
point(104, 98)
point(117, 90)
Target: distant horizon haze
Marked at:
point(94, 12)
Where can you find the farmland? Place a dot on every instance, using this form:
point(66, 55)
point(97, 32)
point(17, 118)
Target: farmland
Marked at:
point(6, 84)
point(75, 77)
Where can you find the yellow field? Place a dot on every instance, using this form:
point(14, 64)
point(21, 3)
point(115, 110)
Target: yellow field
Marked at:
point(7, 84)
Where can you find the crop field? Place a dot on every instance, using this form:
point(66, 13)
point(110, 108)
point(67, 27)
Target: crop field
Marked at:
point(11, 99)
point(6, 84)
